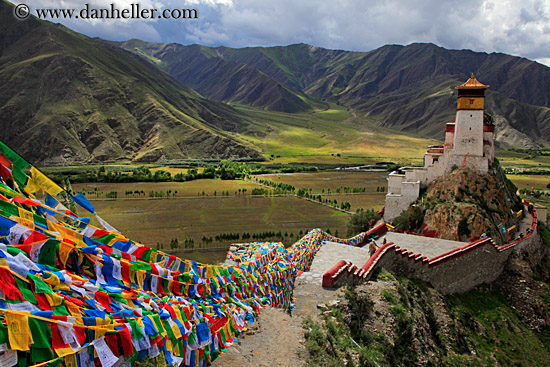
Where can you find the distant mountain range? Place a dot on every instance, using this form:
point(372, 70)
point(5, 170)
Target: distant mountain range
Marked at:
point(408, 88)
point(65, 97)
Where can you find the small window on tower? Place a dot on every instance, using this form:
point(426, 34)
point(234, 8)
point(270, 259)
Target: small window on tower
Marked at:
point(471, 101)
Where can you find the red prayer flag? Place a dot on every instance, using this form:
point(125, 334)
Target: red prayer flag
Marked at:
point(126, 341)
point(104, 299)
point(8, 286)
point(112, 342)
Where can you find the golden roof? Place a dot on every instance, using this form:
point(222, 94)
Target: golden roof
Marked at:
point(472, 83)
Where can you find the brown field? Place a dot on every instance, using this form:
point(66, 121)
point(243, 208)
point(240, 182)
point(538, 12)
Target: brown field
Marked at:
point(331, 179)
point(160, 220)
point(172, 170)
point(205, 256)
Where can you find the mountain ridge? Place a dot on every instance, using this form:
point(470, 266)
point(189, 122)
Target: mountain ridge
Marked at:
point(392, 84)
point(208, 72)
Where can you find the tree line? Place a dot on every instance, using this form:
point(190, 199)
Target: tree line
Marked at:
point(225, 170)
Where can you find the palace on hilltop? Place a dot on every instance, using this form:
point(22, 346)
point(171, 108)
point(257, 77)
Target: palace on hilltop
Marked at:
point(469, 143)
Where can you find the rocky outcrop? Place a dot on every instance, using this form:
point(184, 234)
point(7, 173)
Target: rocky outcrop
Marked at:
point(465, 205)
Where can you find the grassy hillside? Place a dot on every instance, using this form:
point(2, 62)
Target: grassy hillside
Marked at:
point(400, 322)
point(332, 135)
point(66, 97)
point(70, 98)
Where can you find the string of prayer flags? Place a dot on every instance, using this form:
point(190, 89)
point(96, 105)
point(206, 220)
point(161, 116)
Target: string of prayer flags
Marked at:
point(78, 295)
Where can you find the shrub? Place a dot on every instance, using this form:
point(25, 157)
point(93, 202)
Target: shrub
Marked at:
point(463, 228)
point(410, 219)
point(361, 221)
point(544, 233)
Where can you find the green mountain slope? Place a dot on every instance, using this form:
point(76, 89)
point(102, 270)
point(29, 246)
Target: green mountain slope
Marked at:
point(409, 88)
point(207, 71)
point(67, 97)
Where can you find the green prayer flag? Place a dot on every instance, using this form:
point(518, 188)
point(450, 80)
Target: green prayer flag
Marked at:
point(22, 359)
point(10, 208)
point(106, 239)
point(13, 251)
point(26, 291)
point(146, 254)
point(168, 329)
point(136, 330)
point(40, 286)
point(48, 253)
point(18, 164)
point(41, 354)
point(191, 337)
point(41, 336)
point(3, 334)
point(61, 310)
point(158, 323)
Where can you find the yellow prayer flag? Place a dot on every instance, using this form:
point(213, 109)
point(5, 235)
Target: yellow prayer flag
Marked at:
point(105, 326)
point(65, 232)
point(132, 274)
point(64, 252)
point(38, 181)
point(25, 218)
point(73, 309)
point(54, 299)
point(19, 333)
point(176, 331)
point(140, 275)
point(178, 312)
point(70, 360)
point(209, 271)
point(62, 352)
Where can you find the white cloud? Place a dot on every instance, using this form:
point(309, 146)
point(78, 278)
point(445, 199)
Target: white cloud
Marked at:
point(518, 28)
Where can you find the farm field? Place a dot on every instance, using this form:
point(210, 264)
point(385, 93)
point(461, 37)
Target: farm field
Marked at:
point(538, 182)
point(522, 160)
point(335, 135)
point(332, 180)
point(160, 220)
point(188, 214)
point(366, 201)
point(184, 189)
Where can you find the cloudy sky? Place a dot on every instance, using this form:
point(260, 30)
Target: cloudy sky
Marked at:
point(515, 27)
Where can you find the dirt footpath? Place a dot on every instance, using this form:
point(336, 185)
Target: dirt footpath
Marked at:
point(276, 338)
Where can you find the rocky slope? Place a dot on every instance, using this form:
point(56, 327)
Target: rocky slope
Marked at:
point(463, 205)
point(66, 97)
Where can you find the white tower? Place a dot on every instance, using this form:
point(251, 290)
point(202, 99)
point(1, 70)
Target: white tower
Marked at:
point(468, 146)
